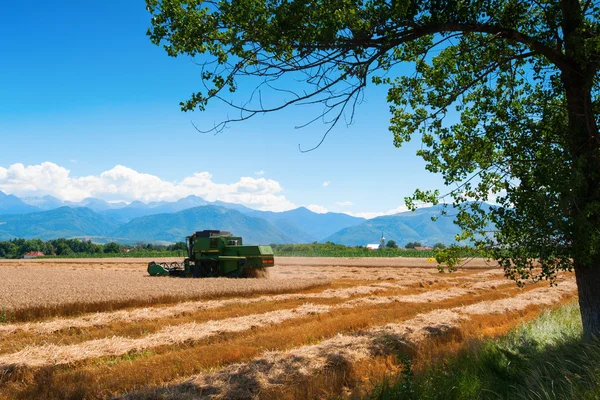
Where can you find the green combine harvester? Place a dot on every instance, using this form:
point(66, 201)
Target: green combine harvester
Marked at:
point(216, 253)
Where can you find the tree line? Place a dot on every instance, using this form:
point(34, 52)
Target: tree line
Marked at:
point(17, 248)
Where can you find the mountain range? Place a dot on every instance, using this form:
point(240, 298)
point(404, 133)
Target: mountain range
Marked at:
point(164, 222)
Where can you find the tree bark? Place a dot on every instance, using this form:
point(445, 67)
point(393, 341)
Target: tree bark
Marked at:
point(584, 197)
point(583, 144)
point(588, 287)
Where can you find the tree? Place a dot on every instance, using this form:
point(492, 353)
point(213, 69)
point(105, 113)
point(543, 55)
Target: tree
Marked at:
point(178, 246)
point(391, 244)
point(412, 245)
point(521, 74)
point(63, 249)
point(112, 247)
point(439, 246)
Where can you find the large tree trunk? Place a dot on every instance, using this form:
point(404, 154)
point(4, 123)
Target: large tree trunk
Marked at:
point(584, 199)
point(583, 144)
point(588, 285)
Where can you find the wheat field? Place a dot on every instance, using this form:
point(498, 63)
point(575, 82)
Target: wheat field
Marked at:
point(314, 328)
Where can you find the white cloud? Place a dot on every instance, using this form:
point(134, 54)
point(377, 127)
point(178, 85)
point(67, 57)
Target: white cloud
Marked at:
point(326, 183)
point(259, 173)
point(344, 203)
point(317, 208)
point(125, 184)
point(73, 161)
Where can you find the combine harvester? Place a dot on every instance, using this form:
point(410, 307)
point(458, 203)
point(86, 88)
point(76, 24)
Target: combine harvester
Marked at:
point(217, 253)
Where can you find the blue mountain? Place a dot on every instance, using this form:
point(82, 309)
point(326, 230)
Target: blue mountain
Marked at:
point(308, 226)
point(44, 203)
point(64, 222)
point(11, 204)
point(403, 228)
point(175, 227)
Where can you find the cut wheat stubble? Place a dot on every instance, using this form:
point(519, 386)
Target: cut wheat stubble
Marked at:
point(282, 367)
point(540, 296)
point(154, 313)
point(276, 369)
point(36, 356)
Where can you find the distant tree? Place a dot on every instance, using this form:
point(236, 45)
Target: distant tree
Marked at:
point(439, 246)
point(49, 249)
point(112, 247)
point(63, 249)
point(391, 244)
point(32, 245)
point(8, 250)
point(177, 246)
point(412, 245)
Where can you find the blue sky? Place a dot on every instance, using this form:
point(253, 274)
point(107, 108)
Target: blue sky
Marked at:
point(82, 87)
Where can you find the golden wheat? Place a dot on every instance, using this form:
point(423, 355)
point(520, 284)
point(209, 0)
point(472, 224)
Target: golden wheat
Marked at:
point(33, 286)
point(278, 369)
point(238, 337)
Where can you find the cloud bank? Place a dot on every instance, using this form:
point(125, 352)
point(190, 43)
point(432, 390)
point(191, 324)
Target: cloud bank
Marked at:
point(125, 184)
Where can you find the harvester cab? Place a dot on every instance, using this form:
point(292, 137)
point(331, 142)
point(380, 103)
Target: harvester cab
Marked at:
point(217, 253)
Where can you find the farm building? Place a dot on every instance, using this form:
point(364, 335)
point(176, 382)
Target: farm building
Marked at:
point(423, 248)
point(34, 254)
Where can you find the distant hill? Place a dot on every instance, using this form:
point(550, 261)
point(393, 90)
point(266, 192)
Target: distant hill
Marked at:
point(402, 228)
point(10, 204)
point(96, 205)
point(299, 225)
point(138, 209)
point(44, 203)
point(171, 221)
point(175, 227)
point(65, 222)
point(306, 225)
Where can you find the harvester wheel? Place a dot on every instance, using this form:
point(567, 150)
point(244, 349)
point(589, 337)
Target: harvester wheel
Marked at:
point(211, 268)
point(208, 269)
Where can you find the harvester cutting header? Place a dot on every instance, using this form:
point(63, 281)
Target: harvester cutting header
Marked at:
point(216, 253)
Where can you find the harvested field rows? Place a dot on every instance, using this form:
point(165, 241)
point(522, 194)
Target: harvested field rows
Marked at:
point(224, 338)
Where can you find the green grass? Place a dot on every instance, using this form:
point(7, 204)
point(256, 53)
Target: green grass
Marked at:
point(5, 315)
point(543, 359)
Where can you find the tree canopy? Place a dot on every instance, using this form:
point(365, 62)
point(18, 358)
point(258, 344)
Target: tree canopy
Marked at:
point(503, 94)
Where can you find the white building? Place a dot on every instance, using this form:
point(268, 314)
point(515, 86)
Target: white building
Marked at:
point(381, 244)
